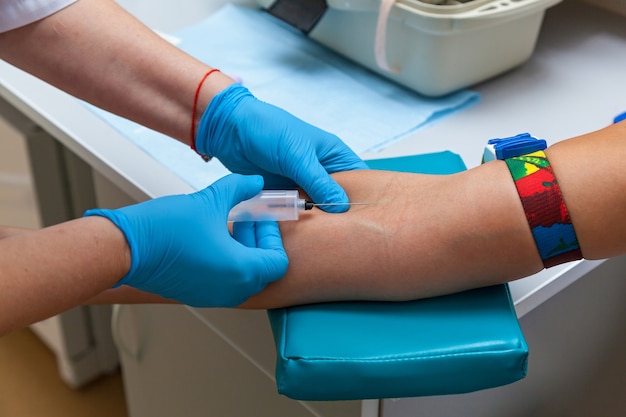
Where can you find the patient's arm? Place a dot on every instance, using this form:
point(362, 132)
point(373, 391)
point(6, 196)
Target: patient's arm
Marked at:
point(419, 236)
point(426, 235)
point(429, 235)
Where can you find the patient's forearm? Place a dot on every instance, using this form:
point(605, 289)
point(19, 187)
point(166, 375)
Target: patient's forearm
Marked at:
point(420, 236)
point(424, 235)
point(8, 231)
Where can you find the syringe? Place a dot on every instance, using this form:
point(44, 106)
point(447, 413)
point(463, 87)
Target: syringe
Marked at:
point(276, 205)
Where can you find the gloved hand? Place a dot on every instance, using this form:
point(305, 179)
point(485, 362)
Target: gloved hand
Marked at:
point(252, 137)
point(181, 247)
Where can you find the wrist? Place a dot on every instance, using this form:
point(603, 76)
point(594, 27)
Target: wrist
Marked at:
point(541, 197)
point(209, 85)
point(116, 244)
point(214, 122)
point(214, 85)
point(120, 255)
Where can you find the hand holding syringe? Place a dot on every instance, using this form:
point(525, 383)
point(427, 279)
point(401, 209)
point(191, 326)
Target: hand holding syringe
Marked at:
point(274, 205)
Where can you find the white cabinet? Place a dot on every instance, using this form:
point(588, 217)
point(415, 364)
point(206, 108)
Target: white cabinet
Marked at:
point(209, 362)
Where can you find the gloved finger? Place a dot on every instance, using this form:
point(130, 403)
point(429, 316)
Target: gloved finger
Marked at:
point(335, 155)
point(233, 189)
point(268, 236)
point(319, 185)
point(267, 266)
point(245, 233)
point(278, 182)
point(341, 158)
point(275, 258)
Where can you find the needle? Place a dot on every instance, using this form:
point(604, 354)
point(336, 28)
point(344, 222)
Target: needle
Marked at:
point(308, 205)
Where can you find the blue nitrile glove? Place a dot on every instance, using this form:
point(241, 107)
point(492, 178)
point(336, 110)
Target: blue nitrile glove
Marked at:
point(252, 137)
point(181, 247)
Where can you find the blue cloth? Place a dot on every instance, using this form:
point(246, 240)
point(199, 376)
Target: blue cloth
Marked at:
point(282, 66)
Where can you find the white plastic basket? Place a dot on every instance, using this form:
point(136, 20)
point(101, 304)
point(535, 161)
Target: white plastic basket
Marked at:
point(433, 46)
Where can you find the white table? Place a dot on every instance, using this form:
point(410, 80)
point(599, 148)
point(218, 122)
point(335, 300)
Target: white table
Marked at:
point(573, 84)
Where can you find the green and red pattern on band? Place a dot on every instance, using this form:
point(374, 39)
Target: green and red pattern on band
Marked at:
point(545, 209)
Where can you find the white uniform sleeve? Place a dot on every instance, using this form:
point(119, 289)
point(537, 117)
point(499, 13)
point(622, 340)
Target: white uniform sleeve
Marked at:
point(16, 13)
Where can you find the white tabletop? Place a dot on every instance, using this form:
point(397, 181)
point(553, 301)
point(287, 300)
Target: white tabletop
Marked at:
point(573, 84)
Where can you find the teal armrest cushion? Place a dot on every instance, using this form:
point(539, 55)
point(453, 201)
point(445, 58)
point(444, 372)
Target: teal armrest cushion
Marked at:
point(366, 350)
point(363, 350)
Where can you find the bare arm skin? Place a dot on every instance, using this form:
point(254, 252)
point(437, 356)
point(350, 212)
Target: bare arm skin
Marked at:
point(429, 235)
point(137, 75)
point(592, 175)
point(426, 236)
point(48, 271)
point(6, 231)
point(421, 236)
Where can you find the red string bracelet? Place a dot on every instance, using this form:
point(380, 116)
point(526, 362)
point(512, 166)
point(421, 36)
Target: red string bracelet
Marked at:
point(193, 114)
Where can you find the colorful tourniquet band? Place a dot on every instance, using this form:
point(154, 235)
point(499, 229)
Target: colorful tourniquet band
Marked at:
point(545, 209)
